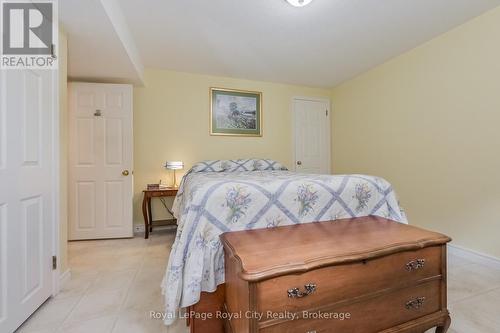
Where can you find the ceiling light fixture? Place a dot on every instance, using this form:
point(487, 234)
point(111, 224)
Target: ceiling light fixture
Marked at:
point(299, 3)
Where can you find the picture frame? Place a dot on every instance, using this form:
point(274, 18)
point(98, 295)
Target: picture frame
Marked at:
point(235, 112)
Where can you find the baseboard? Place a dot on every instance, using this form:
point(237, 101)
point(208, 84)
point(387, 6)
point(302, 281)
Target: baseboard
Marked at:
point(64, 277)
point(475, 256)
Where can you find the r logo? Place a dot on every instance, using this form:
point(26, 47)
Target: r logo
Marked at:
point(27, 28)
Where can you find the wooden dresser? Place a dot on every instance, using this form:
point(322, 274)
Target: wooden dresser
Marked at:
point(358, 275)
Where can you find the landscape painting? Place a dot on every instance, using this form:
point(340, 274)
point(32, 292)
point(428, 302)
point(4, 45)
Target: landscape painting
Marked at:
point(235, 112)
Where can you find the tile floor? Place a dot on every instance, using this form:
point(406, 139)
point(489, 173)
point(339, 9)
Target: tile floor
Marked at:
point(115, 283)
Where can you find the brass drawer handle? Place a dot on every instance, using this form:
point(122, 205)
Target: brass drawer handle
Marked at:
point(296, 293)
point(415, 304)
point(413, 265)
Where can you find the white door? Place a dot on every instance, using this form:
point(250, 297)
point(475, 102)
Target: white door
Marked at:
point(100, 161)
point(312, 135)
point(27, 192)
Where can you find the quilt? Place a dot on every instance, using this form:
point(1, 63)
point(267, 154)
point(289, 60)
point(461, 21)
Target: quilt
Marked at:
point(214, 200)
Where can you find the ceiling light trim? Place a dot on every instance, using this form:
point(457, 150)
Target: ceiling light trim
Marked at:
point(299, 3)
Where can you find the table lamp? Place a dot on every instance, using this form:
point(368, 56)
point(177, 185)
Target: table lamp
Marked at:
point(174, 165)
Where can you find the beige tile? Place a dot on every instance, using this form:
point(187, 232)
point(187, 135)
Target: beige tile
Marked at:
point(478, 314)
point(145, 292)
point(120, 283)
point(77, 285)
point(470, 280)
point(453, 330)
point(88, 248)
point(90, 257)
point(92, 263)
point(121, 263)
point(161, 250)
point(99, 325)
point(179, 326)
point(132, 321)
point(144, 297)
point(150, 274)
point(76, 246)
point(128, 245)
point(155, 262)
point(113, 280)
point(52, 329)
point(97, 304)
point(124, 251)
point(50, 315)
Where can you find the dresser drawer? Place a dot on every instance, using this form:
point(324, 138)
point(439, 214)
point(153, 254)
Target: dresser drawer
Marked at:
point(373, 315)
point(163, 193)
point(336, 283)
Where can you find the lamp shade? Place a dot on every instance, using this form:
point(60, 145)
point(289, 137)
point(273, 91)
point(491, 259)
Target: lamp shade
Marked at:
point(174, 165)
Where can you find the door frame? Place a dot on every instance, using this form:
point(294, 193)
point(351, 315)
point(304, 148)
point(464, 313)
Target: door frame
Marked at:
point(328, 128)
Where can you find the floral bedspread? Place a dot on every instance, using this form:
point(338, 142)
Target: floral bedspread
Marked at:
point(211, 203)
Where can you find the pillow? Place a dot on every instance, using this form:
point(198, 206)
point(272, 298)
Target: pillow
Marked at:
point(268, 165)
point(237, 165)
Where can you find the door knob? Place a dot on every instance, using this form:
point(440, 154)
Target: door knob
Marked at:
point(125, 172)
point(299, 162)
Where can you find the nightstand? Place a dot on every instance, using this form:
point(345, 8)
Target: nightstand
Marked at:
point(146, 208)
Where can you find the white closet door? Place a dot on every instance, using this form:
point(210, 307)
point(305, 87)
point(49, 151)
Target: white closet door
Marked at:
point(100, 161)
point(312, 136)
point(27, 192)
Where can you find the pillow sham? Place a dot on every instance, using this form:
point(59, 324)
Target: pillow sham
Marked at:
point(266, 164)
point(237, 165)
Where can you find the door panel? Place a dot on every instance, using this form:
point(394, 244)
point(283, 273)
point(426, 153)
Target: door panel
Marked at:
point(114, 100)
point(114, 142)
point(86, 99)
point(27, 161)
point(31, 118)
point(32, 245)
point(85, 205)
point(85, 133)
point(100, 195)
point(312, 136)
point(114, 204)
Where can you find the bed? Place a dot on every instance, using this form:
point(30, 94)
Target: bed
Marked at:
point(232, 195)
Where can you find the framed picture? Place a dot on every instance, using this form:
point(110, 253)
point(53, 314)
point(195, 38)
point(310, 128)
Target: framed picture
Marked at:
point(235, 112)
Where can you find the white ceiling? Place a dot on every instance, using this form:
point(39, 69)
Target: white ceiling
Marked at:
point(322, 44)
point(98, 48)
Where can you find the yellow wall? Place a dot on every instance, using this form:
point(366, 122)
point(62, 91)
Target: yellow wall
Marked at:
point(429, 122)
point(63, 132)
point(171, 122)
